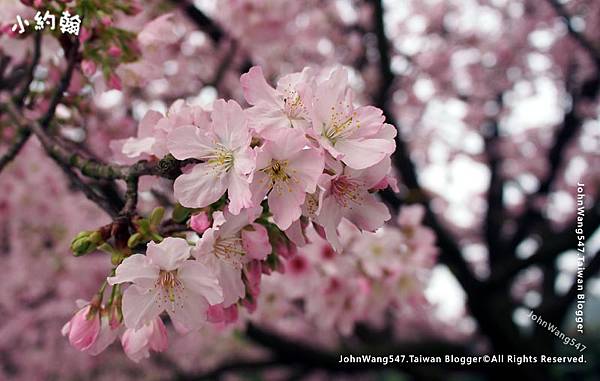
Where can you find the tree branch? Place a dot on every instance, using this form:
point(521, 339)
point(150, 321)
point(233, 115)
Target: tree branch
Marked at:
point(450, 254)
point(553, 244)
point(204, 23)
point(37, 49)
point(580, 38)
point(23, 134)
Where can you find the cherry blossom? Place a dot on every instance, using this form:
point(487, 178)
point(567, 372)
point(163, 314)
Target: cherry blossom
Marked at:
point(165, 280)
point(273, 109)
point(286, 170)
point(221, 248)
point(224, 146)
point(357, 136)
point(345, 194)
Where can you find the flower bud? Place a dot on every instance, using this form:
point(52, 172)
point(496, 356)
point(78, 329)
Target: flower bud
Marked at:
point(114, 51)
point(106, 20)
point(134, 240)
point(85, 242)
point(200, 222)
point(255, 240)
point(88, 67)
point(114, 82)
point(84, 34)
point(83, 328)
point(156, 216)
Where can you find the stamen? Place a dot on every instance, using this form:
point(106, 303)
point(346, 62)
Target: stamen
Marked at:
point(347, 191)
point(230, 250)
point(340, 125)
point(171, 289)
point(281, 180)
point(220, 160)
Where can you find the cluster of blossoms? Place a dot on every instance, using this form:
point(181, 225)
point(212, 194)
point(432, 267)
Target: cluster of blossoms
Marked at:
point(380, 275)
point(293, 169)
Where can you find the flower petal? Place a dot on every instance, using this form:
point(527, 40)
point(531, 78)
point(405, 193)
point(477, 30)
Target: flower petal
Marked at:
point(363, 153)
point(136, 269)
point(191, 313)
point(256, 89)
point(140, 306)
point(199, 188)
point(170, 254)
point(189, 142)
point(199, 279)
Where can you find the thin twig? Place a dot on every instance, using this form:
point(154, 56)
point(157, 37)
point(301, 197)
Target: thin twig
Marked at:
point(37, 50)
point(24, 133)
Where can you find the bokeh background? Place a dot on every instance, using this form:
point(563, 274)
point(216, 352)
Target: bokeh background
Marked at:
point(496, 105)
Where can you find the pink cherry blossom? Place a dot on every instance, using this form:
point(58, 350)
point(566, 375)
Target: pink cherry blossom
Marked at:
point(137, 343)
point(346, 195)
point(147, 141)
point(287, 168)
point(153, 129)
point(165, 280)
point(273, 109)
point(228, 160)
point(221, 249)
point(357, 136)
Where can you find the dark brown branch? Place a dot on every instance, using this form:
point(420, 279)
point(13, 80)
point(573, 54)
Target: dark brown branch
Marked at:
point(553, 243)
point(228, 367)
point(23, 133)
point(37, 50)
point(571, 125)
point(99, 199)
point(21, 138)
point(451, 254)
point(555, 309)
point(204, 23)
point(131, 196)
point(495, 208)
point(72, 55)
point(580, 38)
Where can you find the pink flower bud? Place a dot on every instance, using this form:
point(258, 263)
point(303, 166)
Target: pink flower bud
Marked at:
point(83, 331)
point(256, 242)
point(219, 314)
point(106, 21)
point(286, 249)
point(249, 304)
point(88, 67)
point(134, 9)
point(114, 82)
point(200, 222)
point(253, 274)
point(114, 51)
point(84, 34)
point(38, 3)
